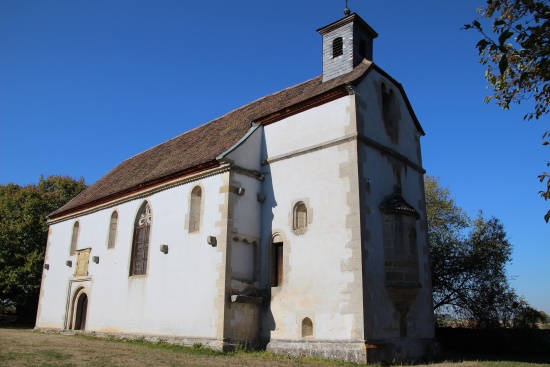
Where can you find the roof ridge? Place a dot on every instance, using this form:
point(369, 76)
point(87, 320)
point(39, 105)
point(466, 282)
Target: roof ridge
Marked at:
point(194, 149)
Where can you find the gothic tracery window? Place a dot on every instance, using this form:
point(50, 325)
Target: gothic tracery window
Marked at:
point(140, 243)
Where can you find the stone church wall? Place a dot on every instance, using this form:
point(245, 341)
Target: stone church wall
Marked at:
point(391, 163)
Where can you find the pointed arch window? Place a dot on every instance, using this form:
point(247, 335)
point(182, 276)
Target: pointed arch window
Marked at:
point(113, 226)
point(195, 209)
point(140, 243)
point(74, 238)
point(337, 47)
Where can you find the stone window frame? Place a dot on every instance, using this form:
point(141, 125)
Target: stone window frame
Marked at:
point(73, 315)
point(75, 233)
point(113, 232)
point(278, 250)
point(145, 216)
point(189, 216)
point(293, 218)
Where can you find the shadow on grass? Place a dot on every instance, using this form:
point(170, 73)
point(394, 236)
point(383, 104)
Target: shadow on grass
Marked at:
point(515, 345)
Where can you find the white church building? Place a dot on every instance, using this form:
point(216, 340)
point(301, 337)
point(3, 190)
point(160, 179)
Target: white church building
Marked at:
point(295, 223)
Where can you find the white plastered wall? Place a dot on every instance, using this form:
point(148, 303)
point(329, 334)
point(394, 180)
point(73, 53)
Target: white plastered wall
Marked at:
point(176, 297)
point(314, 284)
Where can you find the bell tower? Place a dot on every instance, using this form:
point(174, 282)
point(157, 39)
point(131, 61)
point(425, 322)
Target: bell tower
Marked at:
point(346, 43)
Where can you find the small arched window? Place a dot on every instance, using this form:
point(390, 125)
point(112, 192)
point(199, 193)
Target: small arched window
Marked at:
point(74, 238)
point(300, 216)
point(337, 47)
point(113, 225)
point(307, 327)
point(140, 243)
point(195, 209)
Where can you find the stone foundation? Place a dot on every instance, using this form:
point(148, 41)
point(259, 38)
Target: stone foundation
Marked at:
point(360, 352)
point(210, 343)
point(352, 351)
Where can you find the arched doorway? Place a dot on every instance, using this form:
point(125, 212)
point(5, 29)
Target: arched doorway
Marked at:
point(80, 311)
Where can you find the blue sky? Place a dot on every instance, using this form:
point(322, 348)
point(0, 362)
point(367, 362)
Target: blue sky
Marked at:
point(87, 84)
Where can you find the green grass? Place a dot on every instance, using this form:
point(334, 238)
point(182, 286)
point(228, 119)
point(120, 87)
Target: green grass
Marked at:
point(199, 349)
point(241, 352)
point(82, 350)
point(52, 354)
point(196, 349)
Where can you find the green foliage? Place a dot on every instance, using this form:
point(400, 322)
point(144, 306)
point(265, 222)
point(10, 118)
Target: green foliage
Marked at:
point(468, 259)
point(23, 236)
point(516, 53)
point(545, 176)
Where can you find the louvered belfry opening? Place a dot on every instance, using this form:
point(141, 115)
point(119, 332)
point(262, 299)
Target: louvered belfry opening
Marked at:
point(337, 47)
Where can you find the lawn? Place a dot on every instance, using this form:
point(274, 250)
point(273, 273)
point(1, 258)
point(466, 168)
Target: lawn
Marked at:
point(24, 347)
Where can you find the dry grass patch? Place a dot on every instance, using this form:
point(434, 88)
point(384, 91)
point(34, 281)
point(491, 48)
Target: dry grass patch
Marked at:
point(24, 347)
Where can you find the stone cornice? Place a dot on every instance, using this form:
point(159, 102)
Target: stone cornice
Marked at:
point(139, 194)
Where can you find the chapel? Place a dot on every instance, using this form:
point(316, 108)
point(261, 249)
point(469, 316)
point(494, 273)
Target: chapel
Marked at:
point(296, 223)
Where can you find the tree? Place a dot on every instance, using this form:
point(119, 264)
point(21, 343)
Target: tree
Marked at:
point(468, 259)
point(23, 236)
point(486, 295)
point(517, 56)
point(446, 225)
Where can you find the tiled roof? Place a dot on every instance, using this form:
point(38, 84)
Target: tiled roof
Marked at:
point(197, 149)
